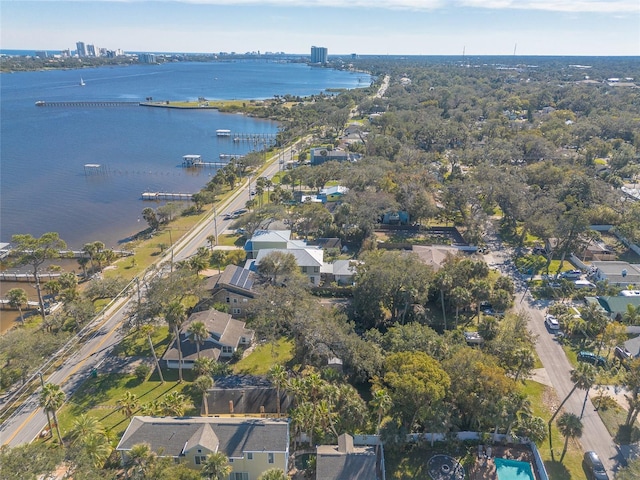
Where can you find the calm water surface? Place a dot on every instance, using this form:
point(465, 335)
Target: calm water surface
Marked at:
point(43, 186)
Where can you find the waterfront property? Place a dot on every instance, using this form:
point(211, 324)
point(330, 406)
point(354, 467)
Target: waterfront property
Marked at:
point(252, 445)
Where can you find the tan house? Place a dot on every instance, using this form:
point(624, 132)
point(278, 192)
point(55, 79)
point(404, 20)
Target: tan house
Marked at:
point(252, 445)
point(234, 287)
point(226, 335)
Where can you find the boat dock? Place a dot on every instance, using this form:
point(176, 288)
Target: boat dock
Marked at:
point(27, 277)
point(190, 161)
point(99, 103)
point(4, 305)
point(167, 196)
point(255, 138)
point(230, 156)
point(95, 169)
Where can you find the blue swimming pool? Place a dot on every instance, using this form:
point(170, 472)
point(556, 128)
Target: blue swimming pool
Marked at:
point(513, 470)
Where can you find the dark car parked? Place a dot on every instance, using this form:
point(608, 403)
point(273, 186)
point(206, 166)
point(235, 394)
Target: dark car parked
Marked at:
point(592, 358)
point(594, 467)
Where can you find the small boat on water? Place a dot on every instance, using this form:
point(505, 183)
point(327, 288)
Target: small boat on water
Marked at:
point(81, 82)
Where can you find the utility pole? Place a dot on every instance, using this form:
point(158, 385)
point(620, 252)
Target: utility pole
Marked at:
point(171, 243)
point(215, 219)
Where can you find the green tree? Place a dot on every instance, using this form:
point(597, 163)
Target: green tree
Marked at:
point(273, 474)
point(415, 382)
point(218, 257)
point(149, 215)
point(175, 315)
point(381, 402)
point(34, 252)
point(204, 366)
point(216, 467)
point(29, 461)
point(52, 397)
point(278, 376)
point(198, 334)
point(570, 426)
point(276, 264)
point(128, 404)
point(174, 404)
point(583, 378)
point(140, 461)
point(630, 472)
point(17, 299)
point(203, 384)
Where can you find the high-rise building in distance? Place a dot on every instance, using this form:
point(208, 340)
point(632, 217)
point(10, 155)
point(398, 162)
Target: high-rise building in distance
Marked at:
point(81, 49)
point(319, 55)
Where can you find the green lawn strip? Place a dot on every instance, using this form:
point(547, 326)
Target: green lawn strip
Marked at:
point(98, 397)
point(136, 345)
point(614, 416)
point(571, 467)
point(229, 240)
point(264, 356)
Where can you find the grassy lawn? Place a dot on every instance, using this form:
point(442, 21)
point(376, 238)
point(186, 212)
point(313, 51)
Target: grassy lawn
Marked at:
point(264, 356)
point(98, 397)
point(571, 468)
point(613, 416)
point(138, 345)
point(410, 461)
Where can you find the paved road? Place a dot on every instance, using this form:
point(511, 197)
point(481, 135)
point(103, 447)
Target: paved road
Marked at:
point(595, 436)
point(29, 420)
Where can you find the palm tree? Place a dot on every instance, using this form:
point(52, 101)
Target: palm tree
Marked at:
point(98, 448)
point(204, 366)
point(17, 298)
point(83, 426)
point(583, 378)
point(218, 257)
point(175, 315)
point(203, 384)
point(140, 460)
point(279, 376)
point(198, 334)
point(51, 399)
point(273, 474)
point(216, 466)
point(129, 403)
point(381, 402)
point(83, 262)
point(460, 297)
point(174, 404)
point(570, 426)
point(212, 241)
point(445, 283)
point(148, 331)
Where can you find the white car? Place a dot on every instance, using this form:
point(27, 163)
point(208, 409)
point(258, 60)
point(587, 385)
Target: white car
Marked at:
point(551, 322)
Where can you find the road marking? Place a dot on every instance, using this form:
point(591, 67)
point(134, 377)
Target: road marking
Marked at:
point(19, 429)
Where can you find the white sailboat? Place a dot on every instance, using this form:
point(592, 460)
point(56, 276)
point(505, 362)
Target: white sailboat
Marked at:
point(81, 82)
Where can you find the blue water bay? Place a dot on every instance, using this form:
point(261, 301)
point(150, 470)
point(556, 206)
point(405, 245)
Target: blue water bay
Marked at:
point(44, 149)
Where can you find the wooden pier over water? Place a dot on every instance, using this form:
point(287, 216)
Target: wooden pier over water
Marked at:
point(167, 196)
point(94, 103)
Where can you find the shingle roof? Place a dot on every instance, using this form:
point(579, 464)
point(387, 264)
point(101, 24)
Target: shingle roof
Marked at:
point(169, 436)
point(246, 400)
point(305, 257)
point(223, 330)
point(337, 462)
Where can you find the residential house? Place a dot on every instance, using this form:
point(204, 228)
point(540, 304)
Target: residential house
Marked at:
point(252, 445)
point(325, 243)
point(309, 259)
point(616, 306)
point(226, 335)
point(234, 287)
point(617, 273)
point(341, 271)
point(342, 461)
point(271, 239)
point(243, 400)
point(332, 194)
point(321, 155)
point(435, 255)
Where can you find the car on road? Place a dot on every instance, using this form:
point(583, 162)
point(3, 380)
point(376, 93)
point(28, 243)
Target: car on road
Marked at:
point(551, 322)
point(592, 358)
point(593, 466)
point(242, 211)
point(227, 216)
point(572, 274)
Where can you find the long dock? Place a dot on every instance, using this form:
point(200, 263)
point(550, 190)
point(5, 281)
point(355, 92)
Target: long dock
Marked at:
point(27, 277)
point(100, 103)
point(167, 196)
point(4, 305)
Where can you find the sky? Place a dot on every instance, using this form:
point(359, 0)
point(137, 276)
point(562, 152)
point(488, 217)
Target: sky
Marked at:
point(365, 27)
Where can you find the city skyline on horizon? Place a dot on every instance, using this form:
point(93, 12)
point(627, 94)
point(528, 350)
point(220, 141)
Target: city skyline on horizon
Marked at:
point(395, 27)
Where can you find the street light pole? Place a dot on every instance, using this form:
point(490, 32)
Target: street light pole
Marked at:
point(215, 219)
point(171, 246)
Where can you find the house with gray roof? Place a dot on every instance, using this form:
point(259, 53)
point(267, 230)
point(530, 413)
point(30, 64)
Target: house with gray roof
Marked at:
point(235, 288)
point(309, 259)
point(226, 335)
point(617, 273)
point(252, 445)
point(270, 239)
point(347, 461)
point(616, 306)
